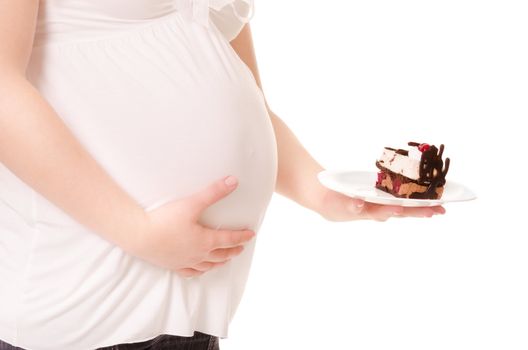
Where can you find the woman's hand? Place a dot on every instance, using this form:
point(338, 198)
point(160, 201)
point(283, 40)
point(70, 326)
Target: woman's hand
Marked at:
point(173, 238)
point(335, 206)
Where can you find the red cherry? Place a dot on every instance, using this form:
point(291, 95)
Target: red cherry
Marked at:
point(424, 147)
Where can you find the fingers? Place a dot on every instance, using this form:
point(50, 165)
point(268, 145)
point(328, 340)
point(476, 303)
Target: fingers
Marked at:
point(216, 258)
point(199, 269)
point(439, 209)
point(418, 212)
point(220, 255)
point(213, 193)
point(423, 212)
point(227, 238)
point(189, 272)
point(207, 265)
point(384, 212)
point(380, 212)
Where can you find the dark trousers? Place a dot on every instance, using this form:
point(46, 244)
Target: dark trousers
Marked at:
point(199, 341)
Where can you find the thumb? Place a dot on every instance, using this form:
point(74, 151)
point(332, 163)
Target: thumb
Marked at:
point(213, 193)
point(355, 205)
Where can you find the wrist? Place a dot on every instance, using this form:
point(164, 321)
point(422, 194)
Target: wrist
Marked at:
point(315, 197)
point(308, 190)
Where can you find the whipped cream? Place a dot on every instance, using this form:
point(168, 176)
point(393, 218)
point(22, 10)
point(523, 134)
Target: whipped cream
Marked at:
point(415, 153)
point(408, 166)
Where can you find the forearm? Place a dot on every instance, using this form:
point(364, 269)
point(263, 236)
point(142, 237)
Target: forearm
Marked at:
point(39, 149)
point(297, 169)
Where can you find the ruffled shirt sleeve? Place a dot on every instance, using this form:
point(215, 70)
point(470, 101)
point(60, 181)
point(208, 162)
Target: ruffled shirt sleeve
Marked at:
point(229, 16)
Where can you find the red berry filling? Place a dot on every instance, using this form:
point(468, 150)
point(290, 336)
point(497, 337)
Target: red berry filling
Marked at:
point(381, 177)
point(396, 183)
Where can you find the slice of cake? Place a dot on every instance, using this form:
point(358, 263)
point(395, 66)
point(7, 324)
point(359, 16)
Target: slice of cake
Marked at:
point(418, 172)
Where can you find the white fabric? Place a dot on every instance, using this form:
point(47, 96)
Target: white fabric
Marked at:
point(166, 106)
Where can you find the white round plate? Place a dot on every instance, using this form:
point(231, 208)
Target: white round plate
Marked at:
point(361, 184)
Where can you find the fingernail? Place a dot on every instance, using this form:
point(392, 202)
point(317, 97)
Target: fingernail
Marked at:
point(230, 181)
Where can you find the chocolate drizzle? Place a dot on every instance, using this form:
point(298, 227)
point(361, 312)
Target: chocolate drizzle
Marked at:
point(403, 152)
point(432, 170)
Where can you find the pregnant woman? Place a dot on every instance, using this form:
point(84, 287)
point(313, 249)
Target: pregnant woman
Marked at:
point(137, 159)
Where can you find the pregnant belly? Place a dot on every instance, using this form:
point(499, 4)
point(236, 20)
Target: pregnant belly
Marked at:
point(165, 127)
point(160, 150)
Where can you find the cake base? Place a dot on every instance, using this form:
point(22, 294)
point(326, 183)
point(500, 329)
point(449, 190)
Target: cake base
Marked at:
point(403, 187)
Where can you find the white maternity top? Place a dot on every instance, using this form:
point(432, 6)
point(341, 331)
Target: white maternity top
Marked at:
point(156, 94)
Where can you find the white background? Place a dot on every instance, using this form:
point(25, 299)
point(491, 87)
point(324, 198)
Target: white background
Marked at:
point(350, 77)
